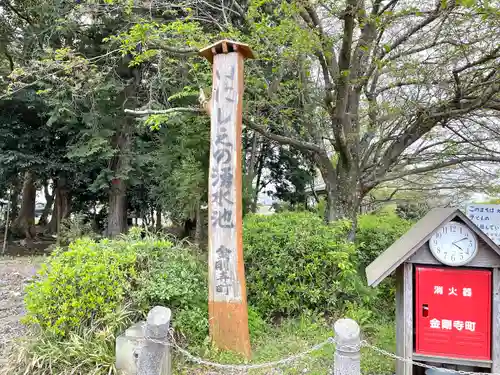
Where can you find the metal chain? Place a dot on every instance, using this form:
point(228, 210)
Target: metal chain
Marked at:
point(420, 364)
point(280, 362)
point(300, 355)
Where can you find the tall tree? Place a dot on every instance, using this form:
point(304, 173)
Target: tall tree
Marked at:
point(384, 86)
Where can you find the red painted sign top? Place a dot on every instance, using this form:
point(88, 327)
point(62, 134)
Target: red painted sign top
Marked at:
point(453, 312)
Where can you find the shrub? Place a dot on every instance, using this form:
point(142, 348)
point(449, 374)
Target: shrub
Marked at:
point(376, 233)
point(77, 302)
point(294, 263)
point(80, 285)
point(91, 351)
point(178, 279)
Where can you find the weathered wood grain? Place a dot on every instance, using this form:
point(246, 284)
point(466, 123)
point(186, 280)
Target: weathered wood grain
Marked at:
point(228, 315)
point(404, 317)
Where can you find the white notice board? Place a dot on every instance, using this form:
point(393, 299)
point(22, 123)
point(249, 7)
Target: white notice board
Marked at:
point(487, 218)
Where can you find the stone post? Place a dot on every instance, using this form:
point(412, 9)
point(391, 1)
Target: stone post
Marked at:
point(154, 356)
point(347, 350)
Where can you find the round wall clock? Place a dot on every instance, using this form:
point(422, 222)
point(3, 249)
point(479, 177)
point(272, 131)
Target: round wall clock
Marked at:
point(453, 244)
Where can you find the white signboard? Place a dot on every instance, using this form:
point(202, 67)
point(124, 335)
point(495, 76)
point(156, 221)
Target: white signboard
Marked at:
point(487, 218)
point(225, 285)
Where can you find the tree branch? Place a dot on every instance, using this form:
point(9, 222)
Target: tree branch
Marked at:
point(436, 166)
point(491, 56)
point(13, 9)
point(175, 50)
point(285, 140)
point(403, 38)
point(275, 137)
point(11, 60)
point(164, 111)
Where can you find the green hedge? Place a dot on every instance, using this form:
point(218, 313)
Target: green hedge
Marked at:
point(296, 263)
point(80, 285)
point(375, 233)
point(88, 281)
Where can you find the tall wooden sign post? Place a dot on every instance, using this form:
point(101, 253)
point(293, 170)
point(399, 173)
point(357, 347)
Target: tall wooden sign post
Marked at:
point(228, 315)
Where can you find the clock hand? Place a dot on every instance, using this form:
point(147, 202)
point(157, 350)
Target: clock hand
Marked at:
point(457, 246)
point(461, 239)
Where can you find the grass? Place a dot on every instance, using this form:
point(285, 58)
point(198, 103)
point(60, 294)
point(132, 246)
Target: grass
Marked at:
point(295, 336)
point(88, 352)
point(93, 350)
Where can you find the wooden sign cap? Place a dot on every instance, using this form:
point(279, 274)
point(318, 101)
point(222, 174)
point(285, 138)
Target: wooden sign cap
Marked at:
point(226, 46)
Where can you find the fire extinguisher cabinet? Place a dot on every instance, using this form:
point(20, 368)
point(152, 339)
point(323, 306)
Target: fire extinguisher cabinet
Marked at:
point(447, 294)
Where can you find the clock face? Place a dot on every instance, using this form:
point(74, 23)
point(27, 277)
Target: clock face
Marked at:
point(454, 244)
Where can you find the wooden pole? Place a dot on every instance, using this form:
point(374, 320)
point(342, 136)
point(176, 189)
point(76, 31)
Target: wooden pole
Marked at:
point(227, 305)
point(4, 246)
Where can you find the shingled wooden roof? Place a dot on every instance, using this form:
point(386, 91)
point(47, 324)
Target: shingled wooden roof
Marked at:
point(412, 240)
point(230, 45)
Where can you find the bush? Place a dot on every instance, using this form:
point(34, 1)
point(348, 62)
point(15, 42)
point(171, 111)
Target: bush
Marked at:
point(80, 285)
point(294, 263)
point(86, 294)
point(178, 279)
point(376, 233)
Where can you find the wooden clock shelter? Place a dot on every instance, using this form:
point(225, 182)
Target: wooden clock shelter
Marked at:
point(447, 294)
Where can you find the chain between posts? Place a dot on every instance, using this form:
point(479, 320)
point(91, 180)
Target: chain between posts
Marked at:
point(420, 364)
point(300, 355)
point(204, 362)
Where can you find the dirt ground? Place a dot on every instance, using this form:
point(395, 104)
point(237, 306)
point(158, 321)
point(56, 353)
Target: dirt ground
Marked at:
point(15, 272)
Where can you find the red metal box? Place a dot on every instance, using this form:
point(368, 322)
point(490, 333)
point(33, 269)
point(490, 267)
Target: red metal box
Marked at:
point(453, 312)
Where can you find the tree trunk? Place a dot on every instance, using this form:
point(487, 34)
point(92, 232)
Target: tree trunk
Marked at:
point(342, 193)
point(117, 207)
point(117, 222)
point(250, 174)
point(62, 205)
point(49, 198)
point(158, 219)
point(24, 225)
point(259, 177)
point(14, 197)
point(198, 234)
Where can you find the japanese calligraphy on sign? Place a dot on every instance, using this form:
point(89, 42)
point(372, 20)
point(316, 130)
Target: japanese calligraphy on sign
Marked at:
point(452, 291)
point(487, 218)
point(224, 284)
point(448, 324)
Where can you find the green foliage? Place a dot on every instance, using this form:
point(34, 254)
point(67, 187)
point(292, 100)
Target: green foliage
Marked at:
point(412, 211)
point(77, 300)
point(177, 278)
point(80, 285)
point(91, 279)
point(295, 263)
point(376, 232)
point(74, 228)
point(85, 351)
